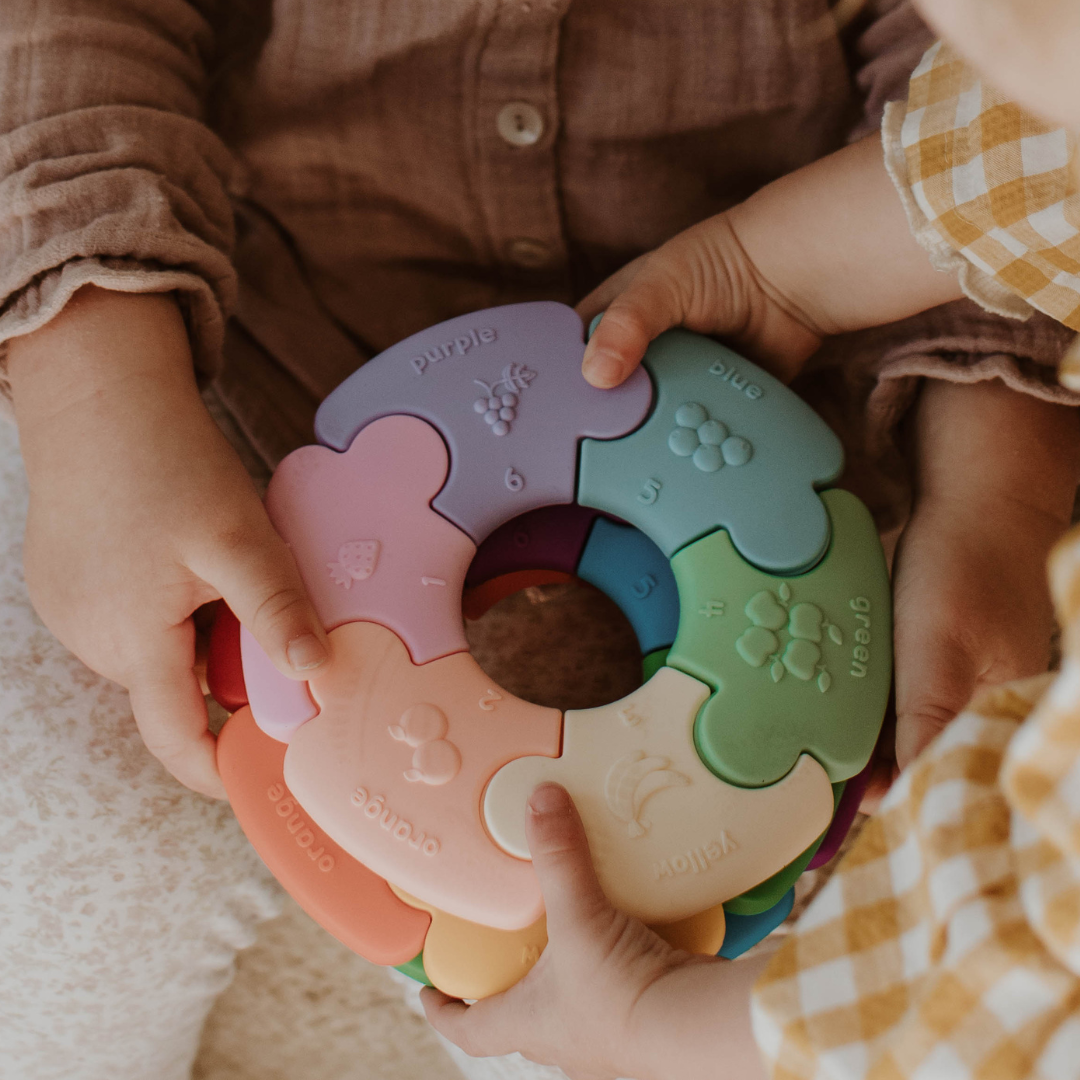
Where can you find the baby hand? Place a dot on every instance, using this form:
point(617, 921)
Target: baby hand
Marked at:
point(140, 512)
point(996, 474)
point(608, 998)
point(823, 250)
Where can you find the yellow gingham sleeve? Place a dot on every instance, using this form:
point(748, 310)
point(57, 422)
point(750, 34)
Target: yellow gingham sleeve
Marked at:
point(990, 190)
point(947, 943)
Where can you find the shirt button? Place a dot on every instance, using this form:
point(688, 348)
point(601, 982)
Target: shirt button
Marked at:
point(529, 254)
point(519, 123)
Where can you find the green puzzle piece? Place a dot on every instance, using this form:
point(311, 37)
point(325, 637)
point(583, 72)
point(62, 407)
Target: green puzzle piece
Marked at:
point(652, 662)
point(769, 893)
point(414, 968)
point(726, 446)
point(798, 663)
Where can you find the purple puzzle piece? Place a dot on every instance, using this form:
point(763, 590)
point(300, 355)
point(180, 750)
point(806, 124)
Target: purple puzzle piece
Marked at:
point(551, 538)
point(854, 790)
point(504, 388)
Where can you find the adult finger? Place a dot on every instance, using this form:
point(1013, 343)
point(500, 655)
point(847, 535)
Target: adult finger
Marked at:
point(256, 575)
point(170, 713)
point(576, 905)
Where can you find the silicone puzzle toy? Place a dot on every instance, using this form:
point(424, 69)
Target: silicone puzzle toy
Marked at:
point(388, 793)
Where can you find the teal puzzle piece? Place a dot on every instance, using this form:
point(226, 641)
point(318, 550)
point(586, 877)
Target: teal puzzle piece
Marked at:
point(726, 446)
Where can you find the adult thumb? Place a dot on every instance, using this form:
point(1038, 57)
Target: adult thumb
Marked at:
point(573, 897)
point(258, 578)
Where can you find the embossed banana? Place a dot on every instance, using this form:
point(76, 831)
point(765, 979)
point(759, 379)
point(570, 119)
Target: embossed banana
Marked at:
point(632, 780)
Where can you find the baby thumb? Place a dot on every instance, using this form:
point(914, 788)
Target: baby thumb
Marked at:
point(259, 580)
point(573, 897)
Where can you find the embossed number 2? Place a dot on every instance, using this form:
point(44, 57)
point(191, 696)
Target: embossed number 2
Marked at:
point(514, 481)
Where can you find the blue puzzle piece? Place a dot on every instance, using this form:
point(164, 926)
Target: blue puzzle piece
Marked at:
point(727, 446)
point(745, 931)
point(504, 389)
point(627, 566)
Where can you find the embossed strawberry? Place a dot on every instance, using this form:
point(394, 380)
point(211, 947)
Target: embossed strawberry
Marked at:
point(356, 562)
point(763, 609)
point(801, 658)
point(756, 644)
point(805, 622)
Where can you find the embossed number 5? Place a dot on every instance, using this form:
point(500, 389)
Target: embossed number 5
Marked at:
point(650, 492)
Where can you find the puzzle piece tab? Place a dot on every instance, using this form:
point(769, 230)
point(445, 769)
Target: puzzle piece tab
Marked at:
point(669, 839)
point(467, 960)
point(726, 446)
point(800, 664)
point(278, 704)
point(505, 390)
point(367, 543)
point(338, 892)
point(395, 764)
point(628, 567)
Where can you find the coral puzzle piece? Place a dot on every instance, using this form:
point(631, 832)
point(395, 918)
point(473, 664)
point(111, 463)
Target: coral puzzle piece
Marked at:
point(504, 388)
point(467, 960)
point(798, 664)
point(394, 767)
point(726, 446)
point(338, 892)
point(668, 838)
point(628, 567)
point(368, 545)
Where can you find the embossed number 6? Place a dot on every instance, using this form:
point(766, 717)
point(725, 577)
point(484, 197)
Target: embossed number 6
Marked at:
point(514, 481)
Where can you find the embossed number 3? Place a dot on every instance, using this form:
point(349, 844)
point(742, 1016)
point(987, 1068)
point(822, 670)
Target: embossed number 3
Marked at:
point(514, 481)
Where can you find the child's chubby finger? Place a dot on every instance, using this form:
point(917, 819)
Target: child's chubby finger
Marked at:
point(496, 1025)
point(170, 712)
point(578, 912)
point(256, 575)
point(643, 300)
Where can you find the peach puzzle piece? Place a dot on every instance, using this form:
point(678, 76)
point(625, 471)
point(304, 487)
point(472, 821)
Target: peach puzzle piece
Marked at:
point(701, 933)
point(367, 542)
point(668, 837)
point(338, 892)
point(394, 766)
point(467, 960)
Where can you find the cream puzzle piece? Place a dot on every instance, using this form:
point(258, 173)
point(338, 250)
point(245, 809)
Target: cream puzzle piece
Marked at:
point(669, 838)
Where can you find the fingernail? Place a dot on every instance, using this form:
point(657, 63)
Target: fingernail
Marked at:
point(306, 652)
point(603, 370)
point(548, 799)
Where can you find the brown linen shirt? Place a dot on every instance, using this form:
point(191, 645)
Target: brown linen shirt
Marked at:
point(341, 173)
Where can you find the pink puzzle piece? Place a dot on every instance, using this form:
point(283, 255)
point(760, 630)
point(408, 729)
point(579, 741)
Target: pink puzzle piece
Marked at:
point(278, 704)
point(395, 765)
point(366, 540)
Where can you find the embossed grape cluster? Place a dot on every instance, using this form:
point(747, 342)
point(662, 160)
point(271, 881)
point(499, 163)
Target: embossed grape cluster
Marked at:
point(707, 442)
point(499, 410)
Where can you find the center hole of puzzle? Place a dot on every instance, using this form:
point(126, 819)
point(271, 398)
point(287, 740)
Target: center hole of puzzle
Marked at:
point(565, 646)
